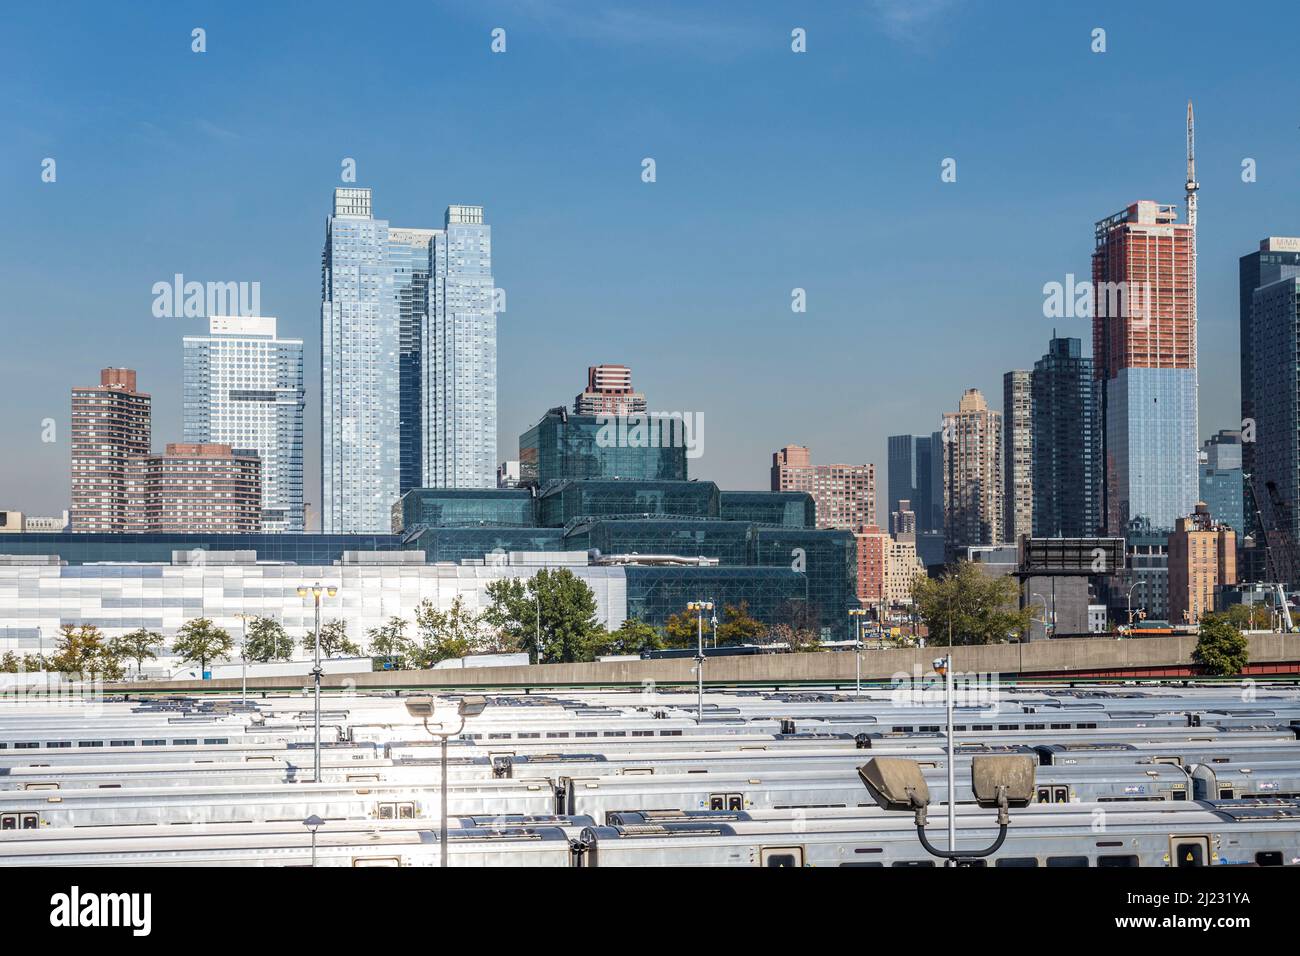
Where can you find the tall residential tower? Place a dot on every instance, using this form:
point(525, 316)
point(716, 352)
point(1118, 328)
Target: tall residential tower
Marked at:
point(244, 388)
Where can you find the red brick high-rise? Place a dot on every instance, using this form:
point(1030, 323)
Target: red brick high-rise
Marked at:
point(110, 426)
point(196, 489)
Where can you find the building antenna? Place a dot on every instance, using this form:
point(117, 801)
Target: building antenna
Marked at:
point(1192, 187)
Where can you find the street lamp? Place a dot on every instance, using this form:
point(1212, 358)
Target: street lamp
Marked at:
point(422, 707)
point(857, 613)
point(699, 607)
point(943, 667)
point(1000, 783)
point(313, 823)
point(1046, 633)
point(316, 591)
point(1130, 602)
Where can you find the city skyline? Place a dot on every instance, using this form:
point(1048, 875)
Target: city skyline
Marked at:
point(538, 355)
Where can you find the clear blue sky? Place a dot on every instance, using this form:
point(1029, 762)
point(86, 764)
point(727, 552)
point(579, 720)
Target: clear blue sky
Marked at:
point(775, 170)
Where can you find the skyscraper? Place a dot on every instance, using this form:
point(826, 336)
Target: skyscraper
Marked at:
point(360, 370)
point(972, 475)
point(459, 360)
point(1221, 479)
point(1278, 257)
point(243, 387)
point(408, 253)
point(110, 425)
point(1067, 443)
point(1144, 351)
point(1017, 454)
point(916, 475)
point(845, 495)
point(609, 392)
point(408, 360)
point(1275, 379)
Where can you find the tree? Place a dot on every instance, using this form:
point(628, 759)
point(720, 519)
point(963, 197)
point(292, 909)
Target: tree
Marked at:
point(974, 607)
point(1221, 649)
point(737, 627)
point(454, 633)
point(800, 640)
point(334, 640)
point(567, 617)
point(682, 629)
point(632, 637)
point(199, 641)
point(389, 641)
point(1250, 617)
point(81, 649)
point(266, 640)
point(138, 646)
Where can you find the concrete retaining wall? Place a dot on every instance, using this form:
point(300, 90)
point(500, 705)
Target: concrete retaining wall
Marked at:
point(1047, 657)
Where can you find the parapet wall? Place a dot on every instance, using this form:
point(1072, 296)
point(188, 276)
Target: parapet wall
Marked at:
point(1270, 654)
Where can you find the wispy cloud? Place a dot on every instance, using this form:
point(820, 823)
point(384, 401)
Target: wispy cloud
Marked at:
point(910, 21)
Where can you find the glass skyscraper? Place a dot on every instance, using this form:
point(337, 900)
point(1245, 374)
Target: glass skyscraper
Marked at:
point(408, 361)
point(360, 378)
point(1067, 471)
point(1275, 339)
point(915, 464)
point(459, 362)
point(243, 387)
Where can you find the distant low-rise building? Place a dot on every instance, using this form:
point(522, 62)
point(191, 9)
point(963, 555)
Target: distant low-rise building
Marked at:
point(196, 489)
point(1202, 559)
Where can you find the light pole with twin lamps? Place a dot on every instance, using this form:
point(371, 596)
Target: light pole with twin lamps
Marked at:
point(422, 707)
point(699, 607)
point(316, 591)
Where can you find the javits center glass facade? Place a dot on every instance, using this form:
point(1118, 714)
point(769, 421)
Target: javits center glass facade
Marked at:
point(565, 501)
point(768, 558)
point(464, 508)
point(562, 446)
point(778, 509)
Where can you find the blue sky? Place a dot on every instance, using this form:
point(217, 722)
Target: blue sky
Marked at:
point(775, 170)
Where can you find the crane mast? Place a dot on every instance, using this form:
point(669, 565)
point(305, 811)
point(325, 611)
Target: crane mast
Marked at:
point(1192, 187)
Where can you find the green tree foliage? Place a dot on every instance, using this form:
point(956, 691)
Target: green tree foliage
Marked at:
point(334, 641)
point(201, 642)
point(682, 629)
point(1221, 649)
point(569, 629)
point(979, 608)
point(738, 627)
point(82, 649)
point(632, 637)
point(139, 645)
point(390, 642)
point(11, 663)
point(266, 640)
point(443, 635)
point(1250, 617)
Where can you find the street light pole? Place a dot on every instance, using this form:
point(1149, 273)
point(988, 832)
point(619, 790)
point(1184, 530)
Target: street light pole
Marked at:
point(699, 607)
point(857, 613)
point(944, 666)
point(315, 591)
point(422, 707)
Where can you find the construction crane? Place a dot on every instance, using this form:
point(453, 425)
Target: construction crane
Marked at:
point(1281, 555)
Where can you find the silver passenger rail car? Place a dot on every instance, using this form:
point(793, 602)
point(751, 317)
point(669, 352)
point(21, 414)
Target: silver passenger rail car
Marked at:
point(1263, 836)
